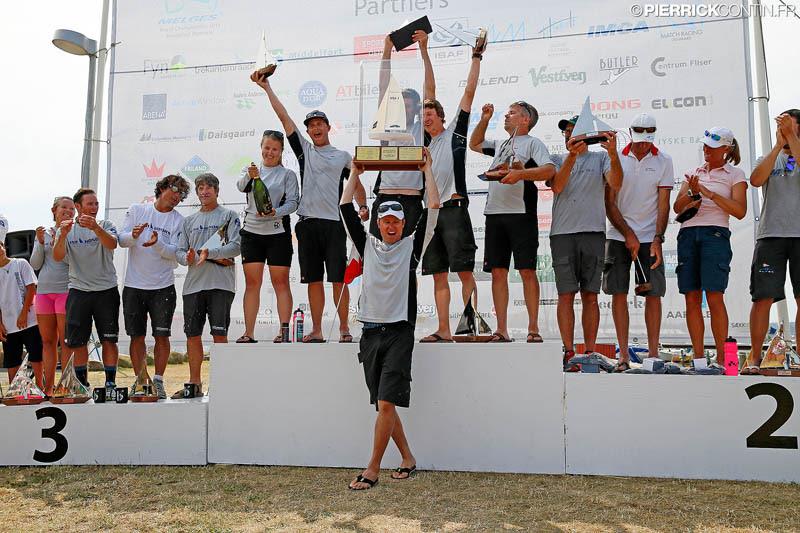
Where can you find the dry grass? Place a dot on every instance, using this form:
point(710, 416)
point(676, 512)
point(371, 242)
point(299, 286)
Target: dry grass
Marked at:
point(244, 498)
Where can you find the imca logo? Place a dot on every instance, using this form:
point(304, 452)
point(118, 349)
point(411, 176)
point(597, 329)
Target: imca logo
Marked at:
point(154, 106)
point(616, 28)
point(312, 93)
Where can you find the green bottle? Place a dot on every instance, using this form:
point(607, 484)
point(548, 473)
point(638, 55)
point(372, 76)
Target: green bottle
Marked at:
point(261, 197)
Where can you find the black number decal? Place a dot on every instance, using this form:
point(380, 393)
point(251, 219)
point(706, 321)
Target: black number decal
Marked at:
point(763, 437)
point(52, 433)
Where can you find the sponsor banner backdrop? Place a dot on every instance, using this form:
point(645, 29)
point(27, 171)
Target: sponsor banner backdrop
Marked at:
point(182, 102)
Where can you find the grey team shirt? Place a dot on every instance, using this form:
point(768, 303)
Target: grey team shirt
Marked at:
point(197, 229)
point(53, 275)
point(404, 179)
point(581, 207)
point(281, 184)
point(322, 172)
point(91, 265)
point(509, 199)
point(781, 201)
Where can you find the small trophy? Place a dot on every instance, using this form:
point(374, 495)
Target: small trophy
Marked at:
point(476, 38)
point(143, 388)
point(506, 164)
point(642, 274)
point(69, 388)
point(22, 390)
point(218, 240)
point(265, 62)
point(589, 128)
point(471, 326)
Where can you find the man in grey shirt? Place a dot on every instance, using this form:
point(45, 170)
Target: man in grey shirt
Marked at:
point(321, 239)
point(778, 238)
point(207, 244)
point(88, 248)
point(577, 233)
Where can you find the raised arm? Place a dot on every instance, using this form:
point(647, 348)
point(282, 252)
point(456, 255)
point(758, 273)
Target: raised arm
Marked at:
point(106, 233)
point(479, 133)
point(614, 174)
point(37, 254)
point(472, 84)
point(289, 126)
point(429, 90)
point(352, 223)
point(561, 177)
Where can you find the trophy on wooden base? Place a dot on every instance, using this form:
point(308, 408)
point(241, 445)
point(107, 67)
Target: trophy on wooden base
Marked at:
point(641, 273)
point(506, 165)
point(471, 326)
point(265, 62)
point(69, 388)
point(218, 240)
point(22, 390)
point(589, 128)
point(143, 389)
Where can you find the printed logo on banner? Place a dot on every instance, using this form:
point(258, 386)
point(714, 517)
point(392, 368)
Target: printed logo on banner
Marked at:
point(661, 66)
point(686, 139)
point(617, 28)
point(370, 48)
point(312, 94)
point(154, 106)
point(197, 101)
point(680, 102)
point(545, 76)
point(224, 135)
point(154, 170)
point(384, 7)
point(236, 166)
point(194, 167)
point(354, 91)
point(474, 117)
point(609, 109)
point(616, 67)
point(493, 80)
point(164, 68)
point(559, 25)
point(684, 31)
point(148, 137)
point(189, 18)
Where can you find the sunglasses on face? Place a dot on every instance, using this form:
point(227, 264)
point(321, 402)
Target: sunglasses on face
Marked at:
point(713, 136)
point(273, 133)
point(383, 208)
point(638, 129)
point(175, 189)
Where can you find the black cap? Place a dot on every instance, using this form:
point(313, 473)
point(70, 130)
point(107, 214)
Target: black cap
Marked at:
point(563, 123)
point(316, 114)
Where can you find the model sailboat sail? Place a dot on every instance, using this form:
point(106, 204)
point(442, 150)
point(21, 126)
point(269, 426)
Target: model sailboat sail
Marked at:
point(390, 122)
point(589, 128)
point(474, 37)
point(472, 327)
point(265, 61)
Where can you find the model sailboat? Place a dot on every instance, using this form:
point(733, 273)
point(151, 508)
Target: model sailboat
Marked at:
point(265, 61)
point(589, 128)
point(474, 37)
point(390, 122)
point(472, 327)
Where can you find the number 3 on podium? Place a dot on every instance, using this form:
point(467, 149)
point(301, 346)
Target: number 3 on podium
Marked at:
point(53, 433)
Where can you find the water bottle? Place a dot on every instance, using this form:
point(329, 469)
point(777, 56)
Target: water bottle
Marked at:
point(297, 319)
point(731, 357)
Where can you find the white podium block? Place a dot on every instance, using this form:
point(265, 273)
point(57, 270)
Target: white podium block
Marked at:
point(162, 433)
point(474, 407)
point(703, 427)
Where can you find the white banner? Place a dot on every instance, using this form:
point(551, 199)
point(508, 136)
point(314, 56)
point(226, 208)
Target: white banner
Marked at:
point(182, 103)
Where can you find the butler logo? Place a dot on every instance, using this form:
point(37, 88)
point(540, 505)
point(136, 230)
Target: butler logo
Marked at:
point(616, 67)
point(312, 94)
point(154, 106)
point(194, 167)
point(154, 170)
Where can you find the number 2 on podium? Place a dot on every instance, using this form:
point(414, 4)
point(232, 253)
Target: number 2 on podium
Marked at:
point(763, 437)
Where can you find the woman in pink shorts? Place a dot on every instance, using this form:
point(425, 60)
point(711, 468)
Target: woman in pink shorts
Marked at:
point(51, 292)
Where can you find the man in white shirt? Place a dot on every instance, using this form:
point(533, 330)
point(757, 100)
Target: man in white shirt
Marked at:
point(150, 233)
point(639, 213)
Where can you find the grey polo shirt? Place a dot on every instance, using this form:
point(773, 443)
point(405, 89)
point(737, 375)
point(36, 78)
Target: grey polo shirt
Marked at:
point(323, 170)
point(781, 201)
point(581, 207)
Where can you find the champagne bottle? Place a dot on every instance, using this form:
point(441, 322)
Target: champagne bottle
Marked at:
point(261, 197)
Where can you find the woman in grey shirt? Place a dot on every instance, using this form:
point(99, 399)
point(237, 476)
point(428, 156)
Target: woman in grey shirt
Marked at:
point(266, 237)
point(51, 291)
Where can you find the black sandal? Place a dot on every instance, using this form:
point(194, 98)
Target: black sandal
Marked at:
point(362, 479)
point(407, 471)
point(245, 339)
point(619, 369)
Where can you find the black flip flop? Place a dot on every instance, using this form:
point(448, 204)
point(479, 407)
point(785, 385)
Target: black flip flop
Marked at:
point(408, 471)
point(362, 479)
point(626, 364)
point(245, 339)
point(499, 337)
point(345, 338)
point(436, 338)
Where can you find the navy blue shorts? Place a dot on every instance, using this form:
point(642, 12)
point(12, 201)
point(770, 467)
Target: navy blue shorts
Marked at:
point(704, 259)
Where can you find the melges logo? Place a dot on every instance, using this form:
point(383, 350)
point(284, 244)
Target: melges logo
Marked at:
point(178, 12)
point(604, 30)
point(154, 170)
point(312, 94)
point(154, 106)
point(616, 67)
point(681, 102)
point(194, 167)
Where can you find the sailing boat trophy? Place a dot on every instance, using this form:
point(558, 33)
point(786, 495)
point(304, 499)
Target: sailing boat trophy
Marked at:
point(477, 38)
point(472, 327)
point(506, 164)
point(218, 240)
point(397, 125)
point(589, 128)
point(265, 62)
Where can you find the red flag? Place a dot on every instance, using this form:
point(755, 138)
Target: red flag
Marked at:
point(355, 266)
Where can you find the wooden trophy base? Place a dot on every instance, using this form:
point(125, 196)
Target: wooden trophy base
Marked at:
point(69, 400)
point(143, 399)
point(266, 72)
point(22, 401)
point(782, 372)
point(595, 137)
point(389, 157)
point(472, 338)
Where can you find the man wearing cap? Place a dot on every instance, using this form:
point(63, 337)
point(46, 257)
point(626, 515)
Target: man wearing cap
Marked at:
point(388, 310)
point(3, 228)
point(452, 248)
point(778, 239)
point(321, 239)
point(639, 214)
point(511, 223)
point(404, 186)
point(577, 232)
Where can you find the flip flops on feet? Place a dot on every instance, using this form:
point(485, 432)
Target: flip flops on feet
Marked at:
point(361, 479)
point(622, 366)
point(403, 473)
point(499, 337)
point(434, 337)
point(245, 339)
point(534, 337)
point(345, 338)
point(308, 339)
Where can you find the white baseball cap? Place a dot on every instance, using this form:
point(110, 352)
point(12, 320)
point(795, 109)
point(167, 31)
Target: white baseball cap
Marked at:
point(716, 137)
point(643, 121)
point(392, 208)
point(3, 229)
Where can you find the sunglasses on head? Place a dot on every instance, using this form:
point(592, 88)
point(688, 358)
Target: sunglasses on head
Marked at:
point(639, 129)
point(383, 208)
point(273, 133)
point(713, 136)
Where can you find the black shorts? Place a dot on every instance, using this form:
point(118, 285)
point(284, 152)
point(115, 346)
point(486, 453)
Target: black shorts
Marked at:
point(452, 247)
point(385, 352)
point(275, 250)
point(768, 271)
point(85, 306)
point(578, 261)
point(516, 234)
point(322, 247)
point(159, 304)
point(617, 270)
point(214, 303)
point(412, 210)
point(28, 338)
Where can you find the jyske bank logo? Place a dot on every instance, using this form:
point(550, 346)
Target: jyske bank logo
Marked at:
point(154, 106)
point(616, 67)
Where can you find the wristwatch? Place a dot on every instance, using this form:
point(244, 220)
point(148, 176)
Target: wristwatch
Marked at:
point(362, 207)
point(660, 236)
